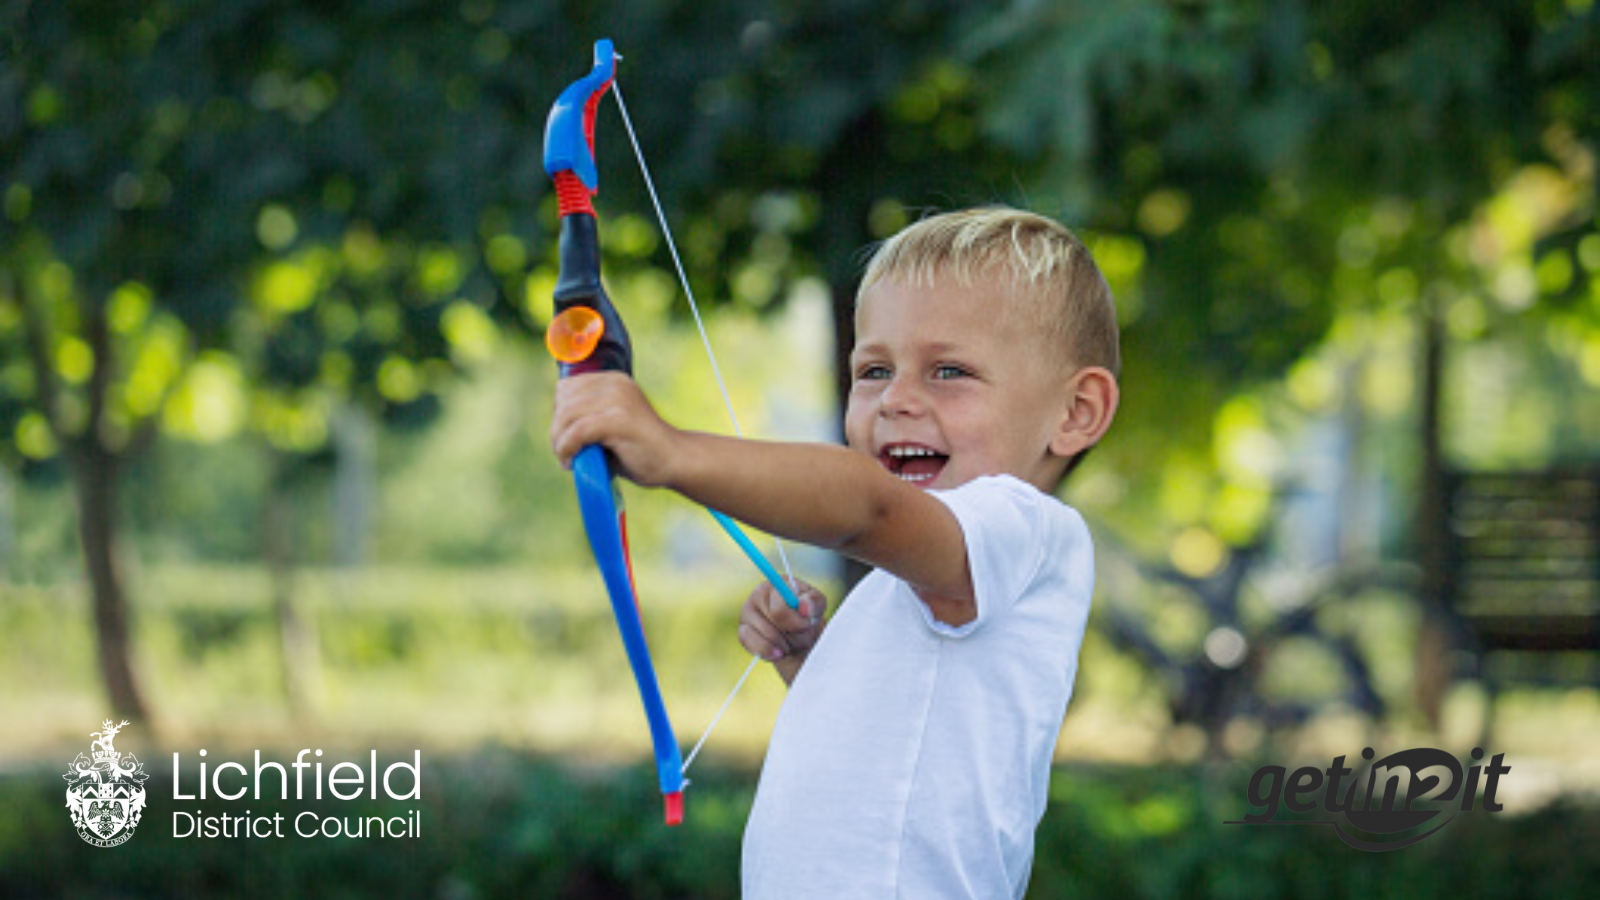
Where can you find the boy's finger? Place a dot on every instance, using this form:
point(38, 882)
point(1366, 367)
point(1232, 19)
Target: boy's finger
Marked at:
point(568, 435)
point(754, 622)
point(567, 443)
point(813, 603)
point(753, 642)
point(580, 417)
point(802, 641)
point(790, 620)
point(759, 637)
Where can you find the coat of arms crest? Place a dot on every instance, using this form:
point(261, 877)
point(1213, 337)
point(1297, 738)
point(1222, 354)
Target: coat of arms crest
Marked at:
point(105, 790)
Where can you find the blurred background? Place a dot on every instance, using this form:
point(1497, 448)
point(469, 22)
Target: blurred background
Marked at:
point(273, 403)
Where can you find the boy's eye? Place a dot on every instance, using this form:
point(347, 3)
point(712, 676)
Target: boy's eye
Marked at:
point(872, 372)
point(946, 372)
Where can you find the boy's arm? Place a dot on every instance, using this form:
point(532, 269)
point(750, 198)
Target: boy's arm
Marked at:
point(836, 498)
point(820, 494)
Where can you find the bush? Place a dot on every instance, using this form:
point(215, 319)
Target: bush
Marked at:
point(496, 824)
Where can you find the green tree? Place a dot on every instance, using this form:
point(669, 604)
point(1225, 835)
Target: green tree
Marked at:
point(311, 207)
point(192, 189)
point(234, 216)
point(1282, 167)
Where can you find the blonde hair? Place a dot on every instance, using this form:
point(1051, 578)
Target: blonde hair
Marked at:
point(1044, 262)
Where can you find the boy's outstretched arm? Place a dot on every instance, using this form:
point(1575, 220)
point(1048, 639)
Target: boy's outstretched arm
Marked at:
point(816, 493)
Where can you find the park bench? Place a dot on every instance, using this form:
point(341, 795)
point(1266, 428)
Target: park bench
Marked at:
point(1522, 571)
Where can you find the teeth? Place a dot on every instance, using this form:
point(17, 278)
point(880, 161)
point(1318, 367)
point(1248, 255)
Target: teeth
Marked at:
point(903, 452)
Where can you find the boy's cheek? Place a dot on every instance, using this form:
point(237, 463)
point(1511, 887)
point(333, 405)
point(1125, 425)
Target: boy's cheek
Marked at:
point(857, 434)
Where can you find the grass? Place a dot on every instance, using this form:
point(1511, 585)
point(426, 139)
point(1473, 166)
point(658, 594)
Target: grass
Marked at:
point(449, 658)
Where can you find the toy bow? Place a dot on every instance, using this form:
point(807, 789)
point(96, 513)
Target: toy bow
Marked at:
point(587, 335)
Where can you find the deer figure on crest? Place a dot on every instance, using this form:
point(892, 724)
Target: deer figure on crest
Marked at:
point(104, 737)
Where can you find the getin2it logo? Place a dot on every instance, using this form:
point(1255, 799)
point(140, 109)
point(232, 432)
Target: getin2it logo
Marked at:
point(105, 790)
point(1405, 792)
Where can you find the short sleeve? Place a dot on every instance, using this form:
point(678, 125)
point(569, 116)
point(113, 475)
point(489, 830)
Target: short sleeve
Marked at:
point(1004, 523)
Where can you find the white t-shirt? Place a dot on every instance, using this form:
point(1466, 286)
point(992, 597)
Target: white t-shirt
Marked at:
point(912, 758)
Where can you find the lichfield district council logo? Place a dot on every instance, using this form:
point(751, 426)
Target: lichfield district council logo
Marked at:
point(105, 790)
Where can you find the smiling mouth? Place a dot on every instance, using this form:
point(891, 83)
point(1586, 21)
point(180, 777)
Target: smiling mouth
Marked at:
point(913, 462)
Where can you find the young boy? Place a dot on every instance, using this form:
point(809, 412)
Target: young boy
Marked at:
point(912, 755)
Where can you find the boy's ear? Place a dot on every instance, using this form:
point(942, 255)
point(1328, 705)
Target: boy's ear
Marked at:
point(1092, 397)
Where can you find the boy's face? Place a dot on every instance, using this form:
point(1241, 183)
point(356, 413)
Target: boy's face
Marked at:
point(949, 383)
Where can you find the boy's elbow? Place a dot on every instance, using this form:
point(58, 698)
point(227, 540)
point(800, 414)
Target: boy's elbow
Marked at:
point(952, 611)
point(881, 523)
point(915, 537)
point(860, 532)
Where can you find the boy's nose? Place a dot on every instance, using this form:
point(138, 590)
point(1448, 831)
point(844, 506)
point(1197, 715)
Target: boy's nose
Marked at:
point(901, 398)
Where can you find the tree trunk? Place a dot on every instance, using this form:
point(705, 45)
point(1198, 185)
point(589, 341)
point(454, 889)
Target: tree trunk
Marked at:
point(97, 466)
point(297, 638)
point(1433, 672)
point(844, 305)
point(845, 232)
point(97, 472)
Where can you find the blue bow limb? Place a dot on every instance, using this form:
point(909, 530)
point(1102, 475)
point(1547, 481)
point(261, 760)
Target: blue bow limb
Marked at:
point(603, 521)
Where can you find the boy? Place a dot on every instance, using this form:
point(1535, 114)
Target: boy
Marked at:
point(912, 757)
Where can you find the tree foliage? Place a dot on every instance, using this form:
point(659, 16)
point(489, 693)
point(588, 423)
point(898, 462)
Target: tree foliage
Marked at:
point(243, 216)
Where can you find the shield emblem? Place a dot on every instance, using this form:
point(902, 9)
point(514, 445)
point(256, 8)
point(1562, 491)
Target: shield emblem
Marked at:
point(107, 817)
